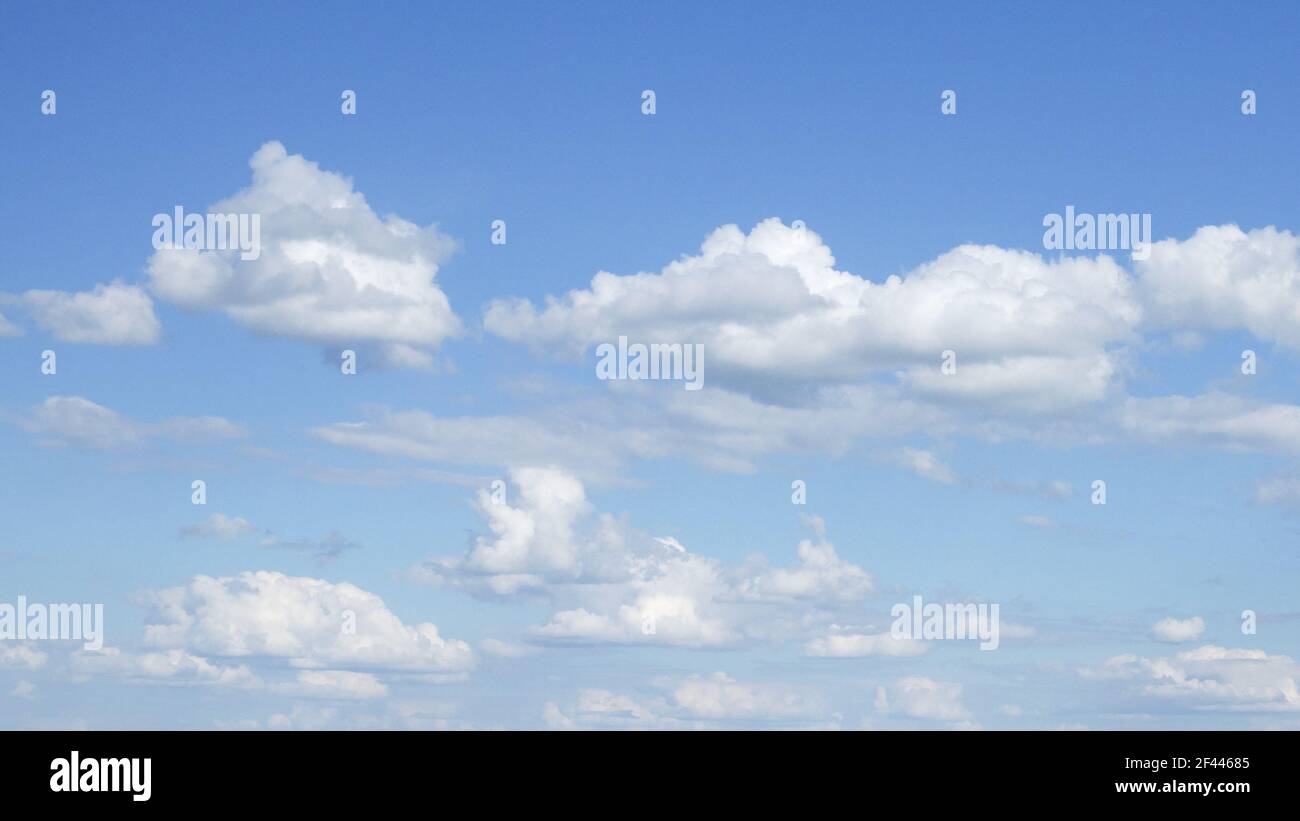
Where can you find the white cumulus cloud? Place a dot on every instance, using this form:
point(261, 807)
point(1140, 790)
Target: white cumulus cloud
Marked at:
point(921, 697)
point(1211, 677)
point(113, 314)
point(330, 271)
point(310, 622)
point(1176, 630)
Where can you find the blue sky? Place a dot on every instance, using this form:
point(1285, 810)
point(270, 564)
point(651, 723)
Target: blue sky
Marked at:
point(1072, 367)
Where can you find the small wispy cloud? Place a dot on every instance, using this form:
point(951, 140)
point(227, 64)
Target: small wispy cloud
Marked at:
point(923, 463)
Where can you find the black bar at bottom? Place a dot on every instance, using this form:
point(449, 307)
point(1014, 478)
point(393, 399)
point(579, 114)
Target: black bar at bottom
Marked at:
point(587, 771)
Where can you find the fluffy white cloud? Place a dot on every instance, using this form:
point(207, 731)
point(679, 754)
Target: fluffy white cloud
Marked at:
point(78, 422)
point(330, 270)
point(669, 597)
point(817, 358)
point(113, 314)
point(769, 305)
point(611, 583)
point(720, 696)
point(72, 420)
point(921, 697)
point(771, 302)
point(22, 655)
point(821, 576)
point(303, 620)
point(1211, 677)
point(219, 526)
point(857, 645)
point(695, 701)
point(1020, 385)
point(1176, 630)
point(1223, 278)
point(536, 536)
point(536, 540)
point(333, 684)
